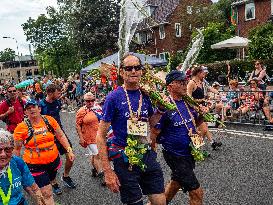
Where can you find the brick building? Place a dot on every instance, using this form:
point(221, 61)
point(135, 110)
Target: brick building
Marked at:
point(251, 14)
point(12, 71)
point(169, 28)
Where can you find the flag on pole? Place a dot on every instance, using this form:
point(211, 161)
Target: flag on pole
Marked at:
point(233, 16)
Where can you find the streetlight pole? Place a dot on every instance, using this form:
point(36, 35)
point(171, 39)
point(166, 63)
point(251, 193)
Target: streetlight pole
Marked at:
point(17, 48)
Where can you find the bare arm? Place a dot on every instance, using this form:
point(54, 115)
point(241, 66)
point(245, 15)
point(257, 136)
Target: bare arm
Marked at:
point(62, 138)
point(190, 88)
point(101, 142)
point(251, 76)
point(17, 147)
point(35, 192)
point(154, 133)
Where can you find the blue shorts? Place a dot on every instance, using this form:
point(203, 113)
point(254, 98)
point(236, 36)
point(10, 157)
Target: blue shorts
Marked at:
point(136, 183)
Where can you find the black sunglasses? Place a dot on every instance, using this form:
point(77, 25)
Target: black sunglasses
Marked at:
point(93, 100)
point(12, 91)
point(130, 68)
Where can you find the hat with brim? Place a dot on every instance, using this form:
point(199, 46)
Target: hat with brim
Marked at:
point(175, 75)
point(30, 102)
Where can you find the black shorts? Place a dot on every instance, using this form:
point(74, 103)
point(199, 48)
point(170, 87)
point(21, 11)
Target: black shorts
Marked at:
point(182, 171)
point(136, 183)
point(60, 147)
point(43, 174)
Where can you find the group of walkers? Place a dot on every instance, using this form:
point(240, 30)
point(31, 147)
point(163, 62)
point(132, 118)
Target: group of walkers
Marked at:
point(108, 130)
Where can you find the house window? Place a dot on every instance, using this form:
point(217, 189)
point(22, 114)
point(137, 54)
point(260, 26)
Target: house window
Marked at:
point(189, 9)
point(149, 36)
point(190, 27)
point(137, 37)
point(143, 38)
point(250, 11)
point(272, 7)
point(177, 29)
point(161, 32)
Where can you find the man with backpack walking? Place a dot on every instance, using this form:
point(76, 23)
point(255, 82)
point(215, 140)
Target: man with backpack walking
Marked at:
point(51, 105)
point(11, 109)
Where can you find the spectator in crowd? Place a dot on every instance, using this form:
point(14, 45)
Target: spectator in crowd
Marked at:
point(259, 74)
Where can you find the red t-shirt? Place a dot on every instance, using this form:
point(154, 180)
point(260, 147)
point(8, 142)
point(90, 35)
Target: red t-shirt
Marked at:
point(14, 118)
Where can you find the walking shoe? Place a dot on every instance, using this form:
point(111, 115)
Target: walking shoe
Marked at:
point(214, 145)
point(68, 182)
point(94, 172)
point(56, 189)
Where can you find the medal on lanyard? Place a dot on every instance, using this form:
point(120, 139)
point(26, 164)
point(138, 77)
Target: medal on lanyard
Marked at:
point(134, 125)
point(196, 139)
point(6, 198)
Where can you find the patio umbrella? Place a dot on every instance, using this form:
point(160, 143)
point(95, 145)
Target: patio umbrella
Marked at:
point(25, 83)
point(235, 42)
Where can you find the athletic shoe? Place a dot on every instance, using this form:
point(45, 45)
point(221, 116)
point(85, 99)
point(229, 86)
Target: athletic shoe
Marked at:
point(56, 189)
point(94, 172)
point(214, 145)
point(68, 182)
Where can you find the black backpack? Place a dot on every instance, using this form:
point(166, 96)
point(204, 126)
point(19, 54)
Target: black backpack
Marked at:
point(31, 130)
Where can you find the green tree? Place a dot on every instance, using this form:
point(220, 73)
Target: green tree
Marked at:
point(52, 40)
point(261, 45)
point(214, 33)
point(7, 55)
point(94, 24)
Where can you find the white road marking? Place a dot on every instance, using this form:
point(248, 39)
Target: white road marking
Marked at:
point(244, 133)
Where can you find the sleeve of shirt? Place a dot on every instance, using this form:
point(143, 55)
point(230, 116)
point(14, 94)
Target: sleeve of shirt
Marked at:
point(53, 122)
point(162, 122)
point(27, 178)
point(3, 107)
point(108, 108)
point(20, 132)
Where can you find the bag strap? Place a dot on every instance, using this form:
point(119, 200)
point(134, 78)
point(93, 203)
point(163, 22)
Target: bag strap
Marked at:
point(30, 130)
point(48, 125)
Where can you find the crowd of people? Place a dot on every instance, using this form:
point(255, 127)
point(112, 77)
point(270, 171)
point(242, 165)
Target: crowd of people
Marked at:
point(120, 133)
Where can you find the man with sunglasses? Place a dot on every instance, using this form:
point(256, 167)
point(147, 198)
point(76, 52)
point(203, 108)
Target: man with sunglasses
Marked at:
point(174, 133)
point(11, 109)
point(123, 108)
point(51, 105)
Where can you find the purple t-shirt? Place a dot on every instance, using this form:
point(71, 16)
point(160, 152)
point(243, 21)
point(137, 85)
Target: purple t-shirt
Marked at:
point(174, 134)
point(116, 111)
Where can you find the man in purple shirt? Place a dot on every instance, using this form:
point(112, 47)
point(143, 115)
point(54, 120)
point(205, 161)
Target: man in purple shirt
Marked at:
point(128, 104)
point(173, 132)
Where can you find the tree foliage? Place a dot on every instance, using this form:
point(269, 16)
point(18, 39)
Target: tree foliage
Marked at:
point(94, 24)
point(214, 33)
point(7, 55)
point(261, 45)
point(54, 47)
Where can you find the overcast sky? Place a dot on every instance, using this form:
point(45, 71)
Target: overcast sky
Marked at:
point(13, 13)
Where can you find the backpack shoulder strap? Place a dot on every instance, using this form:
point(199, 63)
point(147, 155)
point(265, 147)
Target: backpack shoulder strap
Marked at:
point(48, 125)
point(30, 130)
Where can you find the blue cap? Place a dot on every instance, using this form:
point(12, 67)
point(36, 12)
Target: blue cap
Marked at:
point(175, 75)
point(30, 102)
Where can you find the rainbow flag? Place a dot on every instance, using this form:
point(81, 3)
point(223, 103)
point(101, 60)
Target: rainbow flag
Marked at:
point(233, 16)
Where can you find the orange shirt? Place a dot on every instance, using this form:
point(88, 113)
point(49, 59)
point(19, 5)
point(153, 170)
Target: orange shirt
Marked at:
point(43, 138)
point(89, 124)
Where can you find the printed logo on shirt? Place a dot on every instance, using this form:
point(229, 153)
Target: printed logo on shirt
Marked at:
point(177, 124)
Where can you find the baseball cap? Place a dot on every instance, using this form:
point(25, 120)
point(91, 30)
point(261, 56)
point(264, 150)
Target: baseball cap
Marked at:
point(30, 102)
point(205, 69)
point(175, 75)
point(215, 83)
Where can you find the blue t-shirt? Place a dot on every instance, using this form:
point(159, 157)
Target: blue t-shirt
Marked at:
point(21, 177)
point(52, 109)
point(174, 134)
point(116, 111)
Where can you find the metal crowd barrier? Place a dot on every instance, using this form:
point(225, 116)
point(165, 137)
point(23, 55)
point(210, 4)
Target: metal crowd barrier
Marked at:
point(254, 116)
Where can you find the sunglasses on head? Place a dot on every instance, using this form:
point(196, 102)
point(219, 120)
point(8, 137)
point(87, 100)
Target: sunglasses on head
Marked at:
point(12, 91)
point(130, 68)
point(93, 100)
point(7, 150)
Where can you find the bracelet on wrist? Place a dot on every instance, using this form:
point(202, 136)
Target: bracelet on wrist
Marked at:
point(69, 149)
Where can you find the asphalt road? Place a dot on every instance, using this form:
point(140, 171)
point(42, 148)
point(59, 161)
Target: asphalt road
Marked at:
point(239, 173)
